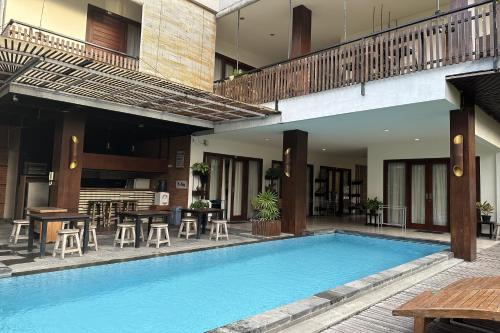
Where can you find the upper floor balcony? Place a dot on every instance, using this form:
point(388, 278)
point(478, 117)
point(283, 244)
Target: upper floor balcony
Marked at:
point(443, 39)
point(43, 37)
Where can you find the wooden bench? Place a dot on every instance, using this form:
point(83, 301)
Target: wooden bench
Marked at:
point(474, 298)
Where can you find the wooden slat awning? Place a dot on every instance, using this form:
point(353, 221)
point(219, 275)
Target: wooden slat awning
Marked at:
point(53, 72)
point(484, 86)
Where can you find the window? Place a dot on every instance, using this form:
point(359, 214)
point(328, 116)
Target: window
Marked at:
point(113, 31)
point(225, 66)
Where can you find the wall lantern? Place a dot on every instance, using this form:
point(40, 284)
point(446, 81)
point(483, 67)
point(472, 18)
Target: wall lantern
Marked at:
point(458, 156)
point(73, 152)
point(287, 162)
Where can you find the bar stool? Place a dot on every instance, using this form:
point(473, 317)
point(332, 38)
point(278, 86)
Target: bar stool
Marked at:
point(96, 209)
point(185, 228)
point(114, 208)
point(62, 246)
point(16, 234)
point(92, 235)
point(125, 234)
point(216, 229)
point(158, 227)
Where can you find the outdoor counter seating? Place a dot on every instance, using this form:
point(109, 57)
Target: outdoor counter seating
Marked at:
point(137, 215)
point(202, 217)
point(44, 219)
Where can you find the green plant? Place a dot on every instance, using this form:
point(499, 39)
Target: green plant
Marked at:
point(272, 174)
point(485, 208)
point(236, 73)
point(200, 168)
point(266, 205)
point(373, 205)
point(199, 204)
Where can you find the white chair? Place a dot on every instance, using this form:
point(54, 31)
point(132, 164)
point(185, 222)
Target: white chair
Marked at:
point(125, 234)
point(216, 229)
point(158, 227)
point(17, 229)
point(92, 235)
point(62, 246)
point(188, 224)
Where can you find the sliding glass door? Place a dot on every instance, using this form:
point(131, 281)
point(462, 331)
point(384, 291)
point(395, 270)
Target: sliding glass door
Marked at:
point(233, 182)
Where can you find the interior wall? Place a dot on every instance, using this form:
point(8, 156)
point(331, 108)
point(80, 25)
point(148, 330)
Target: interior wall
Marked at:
point(68, 17)
point(12, 172)
point(266, 152)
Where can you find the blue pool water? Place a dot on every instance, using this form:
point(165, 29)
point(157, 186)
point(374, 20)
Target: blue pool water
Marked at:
point(196, 291)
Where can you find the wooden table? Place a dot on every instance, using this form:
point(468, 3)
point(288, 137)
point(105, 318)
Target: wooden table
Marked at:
point(138, 215)
point(201, 216)
point(46, 218)
point(52, 228)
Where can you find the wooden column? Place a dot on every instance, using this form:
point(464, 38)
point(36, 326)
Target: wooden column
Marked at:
point(65, 190)
point(293, 200)
point(301, 31)
point(463, 217)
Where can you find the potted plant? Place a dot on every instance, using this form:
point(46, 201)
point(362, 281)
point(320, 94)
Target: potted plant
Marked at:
point(202, 170)
point(199, 204)
point(272, 175)
point(486, 210)
point(267, 220)
point(373, 205)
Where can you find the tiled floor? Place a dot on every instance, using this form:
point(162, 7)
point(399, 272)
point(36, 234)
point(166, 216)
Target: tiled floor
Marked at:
point(19, 260)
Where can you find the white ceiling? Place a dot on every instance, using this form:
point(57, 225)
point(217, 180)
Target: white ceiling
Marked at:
point(258, 48)
point(351, 134)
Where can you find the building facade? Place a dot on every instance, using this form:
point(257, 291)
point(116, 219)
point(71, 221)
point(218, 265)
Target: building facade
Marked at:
point(357, 103)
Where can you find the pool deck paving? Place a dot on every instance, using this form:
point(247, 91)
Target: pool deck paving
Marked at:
point(16, 260)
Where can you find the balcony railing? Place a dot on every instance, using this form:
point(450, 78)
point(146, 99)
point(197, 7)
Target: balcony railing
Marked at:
point(444, 39)
point(43, 37)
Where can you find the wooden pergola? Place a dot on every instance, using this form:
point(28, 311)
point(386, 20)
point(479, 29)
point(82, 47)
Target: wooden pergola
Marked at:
point(47, 70)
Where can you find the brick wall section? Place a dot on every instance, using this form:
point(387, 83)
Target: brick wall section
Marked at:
point(179, 197)
point(178, 42)
point(4, 155)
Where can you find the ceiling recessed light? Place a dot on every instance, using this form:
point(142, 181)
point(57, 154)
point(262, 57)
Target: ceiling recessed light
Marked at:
point(416, 139)
point(386, 130)
point(267, 139)
point(323, 149)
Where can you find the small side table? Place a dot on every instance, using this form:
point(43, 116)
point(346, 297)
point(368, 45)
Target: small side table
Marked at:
point(373, 219)
point(480, 227)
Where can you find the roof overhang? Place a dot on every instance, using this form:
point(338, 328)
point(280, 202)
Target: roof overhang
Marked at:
point(40, 71)
point(484, 86)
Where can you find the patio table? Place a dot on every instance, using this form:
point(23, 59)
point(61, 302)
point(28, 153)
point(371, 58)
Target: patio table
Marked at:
point(138, 215)
point(202, 213)
point(45, 218)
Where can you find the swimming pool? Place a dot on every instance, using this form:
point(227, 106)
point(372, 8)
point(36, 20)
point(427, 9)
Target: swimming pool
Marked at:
point(196, 291)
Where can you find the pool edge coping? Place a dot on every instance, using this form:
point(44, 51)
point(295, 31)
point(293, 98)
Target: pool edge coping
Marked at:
point(286, 315)
point(254, 240)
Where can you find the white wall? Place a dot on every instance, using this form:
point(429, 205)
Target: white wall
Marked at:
point(267, 152)
point(438, 148)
